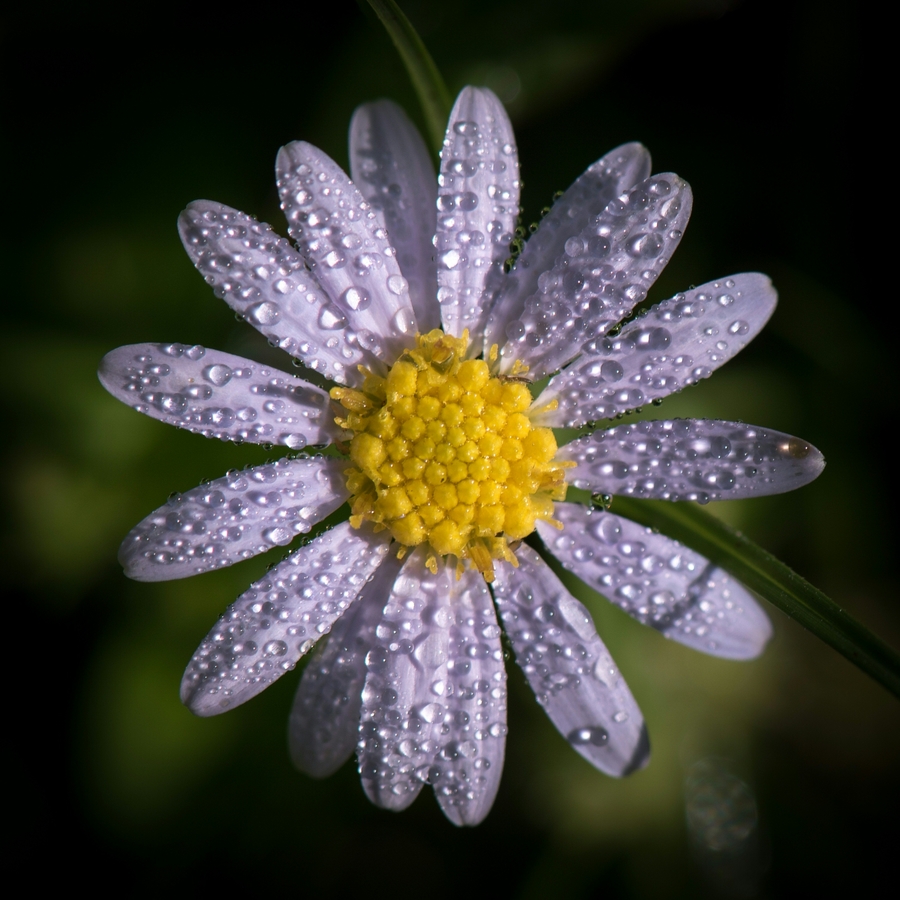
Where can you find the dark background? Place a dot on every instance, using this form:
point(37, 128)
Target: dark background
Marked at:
point(768, 778)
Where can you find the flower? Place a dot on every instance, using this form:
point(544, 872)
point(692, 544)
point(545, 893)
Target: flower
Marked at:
point(432, 343)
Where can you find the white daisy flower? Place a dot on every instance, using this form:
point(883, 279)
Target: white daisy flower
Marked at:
point(396, 289)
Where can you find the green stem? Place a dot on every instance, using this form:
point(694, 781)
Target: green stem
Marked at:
point(771, 579)
point(424, 74)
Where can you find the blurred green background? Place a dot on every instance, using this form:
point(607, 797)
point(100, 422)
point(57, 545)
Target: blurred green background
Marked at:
point(768, 778)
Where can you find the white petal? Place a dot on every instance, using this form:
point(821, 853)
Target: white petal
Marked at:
point(659, 582)
point(219, 395)
point(406, 677)
point(585, 199)
point(568, 667)
point(272, 625)
point(233, 518)
point(679, 342)
point(392, 168)
point(260, 276)
point(344, 242)
point(604, 273)
point(469, 761)
point(324, 724)
point(691, 459)
point(478, 201)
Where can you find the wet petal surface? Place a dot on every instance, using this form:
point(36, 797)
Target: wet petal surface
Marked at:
point(587, 197)
point(232, 518)
point(272, 625)
point(605, 271)
point(263, 278)
point(406, 678)
point(324, 726)
point(678, 343)
point(691, 459)
point(392, 168)
point(659, 582)
point(568, 667)
point(219, 395)
point(344, 242)
point(477, 205)
point(472, 738)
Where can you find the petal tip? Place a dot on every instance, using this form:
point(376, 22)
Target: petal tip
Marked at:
point(200, 703)
point(108, 366)
point(196, 209)
point(641, 756)
point(807, 461)
point(294, 153)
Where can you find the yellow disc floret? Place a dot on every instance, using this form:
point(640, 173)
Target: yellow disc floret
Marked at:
point(445, 454)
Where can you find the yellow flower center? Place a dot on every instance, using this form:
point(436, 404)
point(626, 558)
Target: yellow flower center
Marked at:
point(446, 454)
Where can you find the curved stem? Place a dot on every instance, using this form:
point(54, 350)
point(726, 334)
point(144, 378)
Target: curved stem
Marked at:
point(423, 73)
point(771, 579)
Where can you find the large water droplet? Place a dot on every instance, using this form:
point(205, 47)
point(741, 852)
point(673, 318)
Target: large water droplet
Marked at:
point(218, 374)
point(331, 318)
point(593, 735)
point(265, 313)
point(277, 535)
point(356, 299)
point(397, 284)
point(404, 320)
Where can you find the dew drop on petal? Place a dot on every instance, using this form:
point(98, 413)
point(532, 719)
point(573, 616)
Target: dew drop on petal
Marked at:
point(594, 735)
point(218, 374)
point(331, 318)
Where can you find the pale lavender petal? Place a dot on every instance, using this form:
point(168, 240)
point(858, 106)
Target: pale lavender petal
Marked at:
point(219, 395)
point(392, 168)
point(471, 742)
point(272, 625)
point(233, 518)
point(568, 667)
point(659, 582)
point(406, 678)
point(691, 459)
point(324, 726)
point(603, 274)
point(344, 242)
point(260, 276)
point(587, 197)
point(679, 342)
point(478, 201)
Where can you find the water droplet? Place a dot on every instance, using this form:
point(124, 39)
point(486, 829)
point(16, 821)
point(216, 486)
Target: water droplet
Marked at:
point(404, 320)
point(218, 374)
point(331, 318)
point(593, 735)
point(277, 535)
point(295, 441)
point(397, 284)
point(356, 299)
point(645, 246)
point(265, 313)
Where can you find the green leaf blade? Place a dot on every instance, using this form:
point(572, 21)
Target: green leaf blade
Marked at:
point(424, 74)
point(767, 576)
